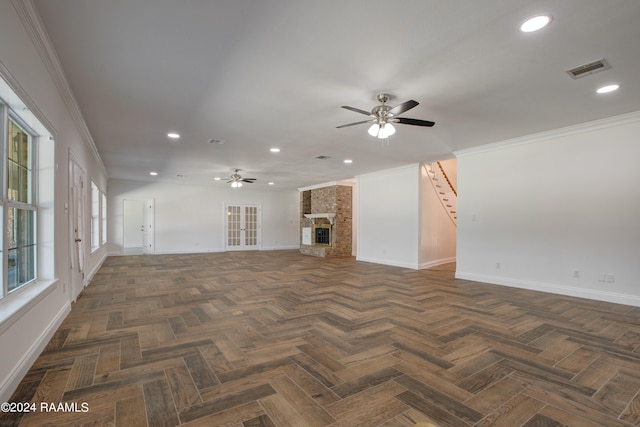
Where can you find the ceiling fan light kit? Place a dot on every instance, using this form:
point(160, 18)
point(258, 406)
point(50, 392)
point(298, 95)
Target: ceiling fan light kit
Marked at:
point(236, 179)
point(382, 131)
point(382, 117)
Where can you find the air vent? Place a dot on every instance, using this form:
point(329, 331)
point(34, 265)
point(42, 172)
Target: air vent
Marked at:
point(322, 157)
point(588, 69)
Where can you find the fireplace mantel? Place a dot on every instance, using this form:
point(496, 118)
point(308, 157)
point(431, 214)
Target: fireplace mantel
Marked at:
point(329, 216)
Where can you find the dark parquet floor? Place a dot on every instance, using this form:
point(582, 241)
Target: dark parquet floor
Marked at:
point(274, 338)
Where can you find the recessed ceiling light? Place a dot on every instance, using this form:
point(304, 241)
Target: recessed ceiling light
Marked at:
point(275, 150)
point(536, 23)
point(608, 88)
point(347, 161)
point(173, 135)
point(217, 178)
point(153, 173)
point(271, 183)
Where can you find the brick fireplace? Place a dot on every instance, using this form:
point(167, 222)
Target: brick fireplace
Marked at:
point(326, 221)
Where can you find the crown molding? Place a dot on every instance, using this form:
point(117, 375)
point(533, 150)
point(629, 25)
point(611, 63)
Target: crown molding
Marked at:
point(8, 82)
point(316, 186)
point(411, 166)
point(35, 28)
point(608, 122)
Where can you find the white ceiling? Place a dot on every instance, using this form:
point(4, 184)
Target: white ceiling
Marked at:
point(274, 73)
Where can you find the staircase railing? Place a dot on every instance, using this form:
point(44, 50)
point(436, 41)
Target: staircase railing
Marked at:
point(447, 178)
point(444, 189)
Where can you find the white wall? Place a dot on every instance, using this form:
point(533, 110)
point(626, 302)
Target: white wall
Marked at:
point(34, 75)
point(554, 206)
point(190, 218)
point(388, 216)
point(401, 220)
point(355, 214)
point(437, 230)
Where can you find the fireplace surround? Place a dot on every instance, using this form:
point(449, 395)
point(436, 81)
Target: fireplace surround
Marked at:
point(326, 221)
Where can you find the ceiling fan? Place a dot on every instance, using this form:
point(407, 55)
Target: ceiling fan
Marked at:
point(237, 180)
point(382, 117)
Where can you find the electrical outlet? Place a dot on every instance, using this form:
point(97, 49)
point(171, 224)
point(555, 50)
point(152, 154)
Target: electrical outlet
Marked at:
point(602, 277)
point(611, 278)
point(576, 274)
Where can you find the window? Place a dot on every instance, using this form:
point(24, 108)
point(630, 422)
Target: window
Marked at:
point(27, 168)
point(104, 219)
point(98, 217)
point(95, 217)
point(19, 211)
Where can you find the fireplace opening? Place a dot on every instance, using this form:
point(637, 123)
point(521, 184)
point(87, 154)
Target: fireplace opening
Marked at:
point(323, 234)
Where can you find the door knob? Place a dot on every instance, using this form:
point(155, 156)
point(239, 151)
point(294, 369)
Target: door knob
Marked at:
point(78, 240)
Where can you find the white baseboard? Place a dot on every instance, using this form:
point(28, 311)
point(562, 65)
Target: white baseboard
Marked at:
point(204, 251)
point(279, 248)
point(187, 251)
point(89, 277)
point(437, 262)
point(388, 262)
point(424, 265)
point(571, 291)
point(10, 384)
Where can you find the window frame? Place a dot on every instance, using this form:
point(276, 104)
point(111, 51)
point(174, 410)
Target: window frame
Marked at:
point(6, 203)
point(24, 298)
point(103, 218)
point(95, 222)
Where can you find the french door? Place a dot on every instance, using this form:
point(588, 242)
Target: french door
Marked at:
point(243, 227)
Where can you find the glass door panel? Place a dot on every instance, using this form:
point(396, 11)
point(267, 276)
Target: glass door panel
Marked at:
point(243, 226)
point(233, 226)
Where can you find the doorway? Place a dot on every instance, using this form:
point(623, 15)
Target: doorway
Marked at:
point(138, 227)
point(76, 209)
point(242, 227)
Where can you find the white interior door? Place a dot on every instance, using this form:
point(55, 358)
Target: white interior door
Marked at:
point(138, 227)
point(147, 228)
point(133, 224)
point(243, 227)
point(76, 226)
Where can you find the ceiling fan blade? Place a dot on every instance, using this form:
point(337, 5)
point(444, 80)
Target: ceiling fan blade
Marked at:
point(415, 122)
point(405, 106)
point(249, 180)
point(357, 110)
point(356, 123)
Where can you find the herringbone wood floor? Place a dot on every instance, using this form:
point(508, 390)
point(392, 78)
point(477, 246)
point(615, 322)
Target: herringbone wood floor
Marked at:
point(280, 339)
